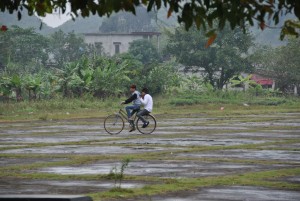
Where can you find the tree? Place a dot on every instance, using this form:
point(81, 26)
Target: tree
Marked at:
point(200, 12)
point(22, 46)
point(110, 77)
point(220, 62)
point(66, 47)
point(162, 77)
point(281, 64)
point(144, 51)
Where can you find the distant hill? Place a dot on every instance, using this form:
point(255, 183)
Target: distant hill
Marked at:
point(91, 25)
point(80, 25)
point(26, 22)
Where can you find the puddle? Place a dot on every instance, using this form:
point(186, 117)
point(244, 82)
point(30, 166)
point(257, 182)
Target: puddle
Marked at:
point(284, 146)
point(52, 129)
point(4, 162)
point(191, 141)
point(57, 138)
point(159, 168)
point(287, 131)
point(59, 187)
point(264, 124)
point(212, 127)
point(291, 156)
point(235, 193)
point(82, 149)
point(210, 134)
point(293, 179)
point(261, 134)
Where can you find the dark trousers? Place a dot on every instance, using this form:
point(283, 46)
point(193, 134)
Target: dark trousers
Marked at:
point(141, 114)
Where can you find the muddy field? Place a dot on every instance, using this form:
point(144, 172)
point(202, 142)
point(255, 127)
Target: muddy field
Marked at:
point(188, 157)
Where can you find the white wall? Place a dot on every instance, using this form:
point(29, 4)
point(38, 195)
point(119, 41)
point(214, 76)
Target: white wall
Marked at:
point(108, 41)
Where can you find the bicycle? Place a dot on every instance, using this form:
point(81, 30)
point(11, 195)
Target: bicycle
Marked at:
point(115, 123)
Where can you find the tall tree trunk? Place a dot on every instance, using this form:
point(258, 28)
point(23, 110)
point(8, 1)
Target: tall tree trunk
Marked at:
point(19, 94)
point(29, 95)
point(221, 80)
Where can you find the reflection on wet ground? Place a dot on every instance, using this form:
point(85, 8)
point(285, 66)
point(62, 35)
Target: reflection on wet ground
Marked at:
point(236, 193)
point(185, 147)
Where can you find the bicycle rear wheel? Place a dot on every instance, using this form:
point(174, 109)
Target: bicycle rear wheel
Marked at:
point(114, 124)
point(150, 128)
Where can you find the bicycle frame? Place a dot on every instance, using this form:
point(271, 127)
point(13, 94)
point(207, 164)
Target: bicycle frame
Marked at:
point(123, 114)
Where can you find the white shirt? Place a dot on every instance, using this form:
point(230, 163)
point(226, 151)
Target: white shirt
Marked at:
point(147, 102)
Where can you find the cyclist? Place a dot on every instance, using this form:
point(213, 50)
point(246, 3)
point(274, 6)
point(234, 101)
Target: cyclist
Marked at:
point(134, 98)
point(147, 101)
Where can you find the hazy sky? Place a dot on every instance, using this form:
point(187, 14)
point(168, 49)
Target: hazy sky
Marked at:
point(57, 18)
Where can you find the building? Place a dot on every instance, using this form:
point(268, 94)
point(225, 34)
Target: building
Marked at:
point(266, 83)
point(114, 43)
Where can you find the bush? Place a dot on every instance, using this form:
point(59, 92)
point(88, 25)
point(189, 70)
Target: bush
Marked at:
point(270, 101)
point(227, 97)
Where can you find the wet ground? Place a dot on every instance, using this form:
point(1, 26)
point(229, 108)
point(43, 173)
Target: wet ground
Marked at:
point(77, 157)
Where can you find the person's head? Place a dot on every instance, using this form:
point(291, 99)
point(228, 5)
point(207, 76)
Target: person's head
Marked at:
point(132, 88)
point(145, 91)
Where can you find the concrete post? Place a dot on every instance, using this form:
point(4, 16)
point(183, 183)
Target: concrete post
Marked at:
point(273, 85)
point(158, 43)
point(295, 90)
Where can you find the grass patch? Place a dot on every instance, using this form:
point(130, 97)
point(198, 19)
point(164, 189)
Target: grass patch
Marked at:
point(231, 98)
point(57, 109)
point(249, 179)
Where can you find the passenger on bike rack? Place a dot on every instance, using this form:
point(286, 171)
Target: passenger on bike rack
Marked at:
point(131, 109)
point(147, 101)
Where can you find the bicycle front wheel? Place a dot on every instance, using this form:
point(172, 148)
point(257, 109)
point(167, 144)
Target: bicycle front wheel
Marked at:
point(114, 124)
point(151, 126)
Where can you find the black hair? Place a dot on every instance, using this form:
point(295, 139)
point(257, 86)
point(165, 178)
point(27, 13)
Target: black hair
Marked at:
point(145, 90)
point(133, 86)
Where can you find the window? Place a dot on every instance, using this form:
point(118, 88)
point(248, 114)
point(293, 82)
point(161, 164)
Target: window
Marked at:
point(98, 45)
point(117, 47)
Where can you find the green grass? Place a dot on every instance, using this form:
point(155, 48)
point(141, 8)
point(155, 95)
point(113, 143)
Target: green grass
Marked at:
point(251, 179)
point(199, 99)
point(56, 109)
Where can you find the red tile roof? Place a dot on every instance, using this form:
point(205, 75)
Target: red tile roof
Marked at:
point(261, 80)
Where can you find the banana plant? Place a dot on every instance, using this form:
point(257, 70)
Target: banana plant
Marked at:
point(65, 76)
point(5, 87)
point(11, 86)
point(33, 84)
point(239, 80)
point(110, 77)
point(16, 83)
point(86, 73)
point(76, 78)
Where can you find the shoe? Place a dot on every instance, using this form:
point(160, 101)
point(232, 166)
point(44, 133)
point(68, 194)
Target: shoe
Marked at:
point(131, 123)
point(145, 124)
point(132, 129)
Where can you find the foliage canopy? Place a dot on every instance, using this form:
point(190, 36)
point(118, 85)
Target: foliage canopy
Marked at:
point(223, 60)
point(200, 12)
point(281, 64)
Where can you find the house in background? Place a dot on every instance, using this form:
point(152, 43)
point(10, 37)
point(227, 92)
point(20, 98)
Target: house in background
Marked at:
point(266, 83)
point(115, 43)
